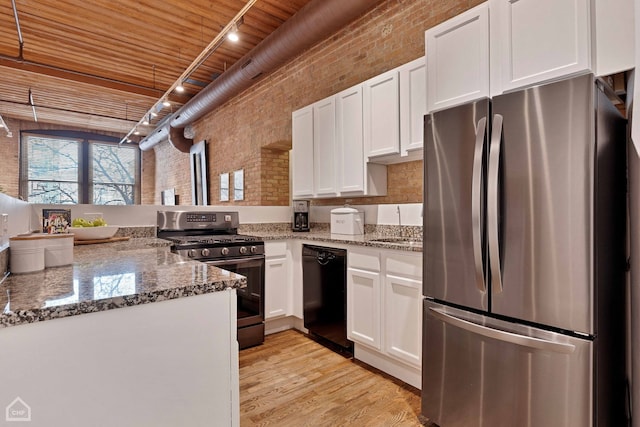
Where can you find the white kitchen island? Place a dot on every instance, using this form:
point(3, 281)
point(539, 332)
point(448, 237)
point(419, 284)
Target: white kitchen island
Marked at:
point(139, 338)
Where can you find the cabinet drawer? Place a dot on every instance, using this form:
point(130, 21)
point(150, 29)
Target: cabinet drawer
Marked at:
point(404, 265)
point(364, 260)
point(275, 249)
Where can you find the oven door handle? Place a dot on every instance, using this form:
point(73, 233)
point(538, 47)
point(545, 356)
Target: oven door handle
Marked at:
point(236, 261)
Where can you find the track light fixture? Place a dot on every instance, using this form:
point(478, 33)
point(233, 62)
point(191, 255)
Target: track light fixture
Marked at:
point(229, 31)
point(233, 34)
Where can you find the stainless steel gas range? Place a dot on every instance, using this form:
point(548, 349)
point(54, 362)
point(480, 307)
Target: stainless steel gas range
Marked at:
point(212, 237)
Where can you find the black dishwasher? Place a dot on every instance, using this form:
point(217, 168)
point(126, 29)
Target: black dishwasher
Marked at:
point(324, 289)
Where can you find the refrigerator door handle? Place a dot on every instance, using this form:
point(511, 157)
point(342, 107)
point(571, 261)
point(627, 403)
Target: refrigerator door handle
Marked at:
point(477, 217)
point(509, 337)
point(493, 204)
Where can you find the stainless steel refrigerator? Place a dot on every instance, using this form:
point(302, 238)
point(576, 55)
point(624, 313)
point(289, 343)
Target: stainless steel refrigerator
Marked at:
point(524, 260)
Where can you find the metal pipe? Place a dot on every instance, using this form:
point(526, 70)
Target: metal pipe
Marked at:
point(15, 15)
point(313, 23)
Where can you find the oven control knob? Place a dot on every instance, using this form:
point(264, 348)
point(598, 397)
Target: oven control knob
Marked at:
point(243, 250)
point(253, 249)
point(206, 252)
point(224, 251)
point(191, 253)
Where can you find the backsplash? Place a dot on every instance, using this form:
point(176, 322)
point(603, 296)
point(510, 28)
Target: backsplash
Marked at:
point(4, 263)
point(144, 231)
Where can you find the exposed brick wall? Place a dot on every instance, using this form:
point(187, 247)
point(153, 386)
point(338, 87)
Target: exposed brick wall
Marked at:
point(386, 37)
point(274, 176)
point(148, 176)
point(172, 170)
point(404, 185)
point(239, 131)
point(10, 155)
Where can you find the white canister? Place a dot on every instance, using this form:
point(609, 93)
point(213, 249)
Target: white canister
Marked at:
point(347, 220)
point(26, 254)
point(58, 250)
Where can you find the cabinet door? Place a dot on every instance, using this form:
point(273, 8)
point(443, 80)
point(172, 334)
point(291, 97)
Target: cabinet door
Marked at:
point(276, 298)
point(350, 140)
point(324, 147)
point(302, 152)
point(542, 40)
point(457, 55)
point(413, 105)
point(363, 307)
point(382, 115)
point(403, 319)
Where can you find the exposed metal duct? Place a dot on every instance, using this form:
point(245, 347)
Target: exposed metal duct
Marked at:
point(179, 142)
point(313, 23)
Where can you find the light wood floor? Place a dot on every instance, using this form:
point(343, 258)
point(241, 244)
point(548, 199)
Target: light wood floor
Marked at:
point(292, 380)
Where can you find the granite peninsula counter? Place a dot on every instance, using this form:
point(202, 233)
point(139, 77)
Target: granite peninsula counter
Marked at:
point(107, 276)
point(110, 340)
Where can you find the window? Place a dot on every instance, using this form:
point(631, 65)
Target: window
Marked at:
point(74, 167)
point(114, 174)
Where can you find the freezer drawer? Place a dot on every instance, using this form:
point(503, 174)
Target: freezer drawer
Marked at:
point(479, 371)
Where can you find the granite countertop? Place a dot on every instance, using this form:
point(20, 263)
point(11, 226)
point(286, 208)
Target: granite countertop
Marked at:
point(374, 240)
point(107, 276)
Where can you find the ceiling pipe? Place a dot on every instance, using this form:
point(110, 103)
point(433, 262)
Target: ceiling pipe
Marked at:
point(179, 142)
point(314, 22)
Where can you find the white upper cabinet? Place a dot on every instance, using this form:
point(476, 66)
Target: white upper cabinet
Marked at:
point(350, 140)
point(313, 154)
point(615, 35)
point(541, 40)
point(504, 45)
point(324, 147)
point(382, 115)
point(302, 152)
point(356, 177)
point(395, 103)
point(457, 55)
point(413, 106)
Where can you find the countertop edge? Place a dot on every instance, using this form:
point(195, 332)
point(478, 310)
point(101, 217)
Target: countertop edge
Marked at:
point(367, 240)
point(9, 317)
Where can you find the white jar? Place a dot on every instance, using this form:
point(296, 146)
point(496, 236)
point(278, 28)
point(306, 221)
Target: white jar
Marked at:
point(26, 254)
point(58, 249)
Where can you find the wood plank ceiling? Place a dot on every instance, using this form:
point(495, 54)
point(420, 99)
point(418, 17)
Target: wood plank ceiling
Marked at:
point(102, 64)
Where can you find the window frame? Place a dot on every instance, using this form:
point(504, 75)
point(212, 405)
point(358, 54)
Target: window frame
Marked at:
point(85, 173)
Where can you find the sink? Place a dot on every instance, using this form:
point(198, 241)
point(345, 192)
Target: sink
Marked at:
point(398, 241)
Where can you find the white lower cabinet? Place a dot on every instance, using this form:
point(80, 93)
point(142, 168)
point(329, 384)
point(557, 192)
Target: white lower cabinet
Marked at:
point(384, 311)
point(403, 307)
point(277, 298)
point(363, 298)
